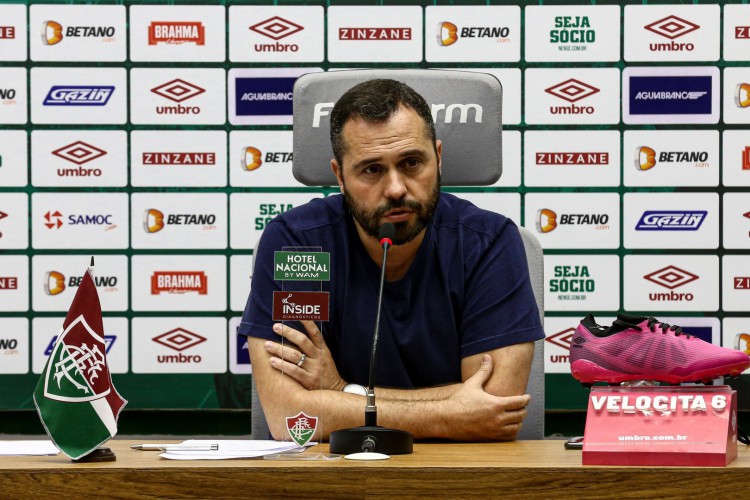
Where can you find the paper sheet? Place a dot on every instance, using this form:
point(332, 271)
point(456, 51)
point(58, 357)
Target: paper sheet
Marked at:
point(35, 447)
point(232, 449)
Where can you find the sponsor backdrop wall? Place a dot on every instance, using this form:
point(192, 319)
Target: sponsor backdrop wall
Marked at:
point(157, 138)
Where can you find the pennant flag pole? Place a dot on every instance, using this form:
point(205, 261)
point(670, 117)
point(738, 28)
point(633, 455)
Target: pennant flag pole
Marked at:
point(75, 398)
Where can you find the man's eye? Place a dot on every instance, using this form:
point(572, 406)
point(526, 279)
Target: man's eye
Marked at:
point(371, 170)
point(412, 162)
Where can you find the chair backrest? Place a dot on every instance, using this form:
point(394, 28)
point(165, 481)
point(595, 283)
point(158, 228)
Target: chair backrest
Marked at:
point(467, 108)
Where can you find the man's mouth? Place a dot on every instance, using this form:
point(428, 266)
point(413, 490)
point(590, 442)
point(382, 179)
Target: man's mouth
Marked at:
point(398, 215)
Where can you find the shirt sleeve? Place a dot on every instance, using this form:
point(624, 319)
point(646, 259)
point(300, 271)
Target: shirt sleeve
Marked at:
point(500, 308)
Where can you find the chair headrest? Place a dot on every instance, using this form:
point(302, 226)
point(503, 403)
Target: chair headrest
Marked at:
point(466, 107)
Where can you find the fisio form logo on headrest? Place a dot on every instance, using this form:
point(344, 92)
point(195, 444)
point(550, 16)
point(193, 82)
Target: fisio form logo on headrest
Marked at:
point(447, 33)
point(742, 95)
point(441, 113)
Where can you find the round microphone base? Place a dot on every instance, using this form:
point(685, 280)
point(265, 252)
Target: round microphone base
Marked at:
point(373, 439)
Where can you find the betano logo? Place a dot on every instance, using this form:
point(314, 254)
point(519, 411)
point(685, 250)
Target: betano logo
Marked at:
point(54, 283)
point(179, 340)
point(742, 95)
point(176, 32)
point(441, 113)
point(52, 32)
point(739, 340)
point(671, 27)
point(154, 220)
point(548, 220)
point(645, 158)
point(179, 282)
point(671, 277)
point(251, 158)
point(572, 90)
point(447, 33)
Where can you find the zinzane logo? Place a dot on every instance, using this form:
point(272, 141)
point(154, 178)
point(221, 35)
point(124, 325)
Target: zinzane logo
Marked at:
point(572, 90)
point(441, 113)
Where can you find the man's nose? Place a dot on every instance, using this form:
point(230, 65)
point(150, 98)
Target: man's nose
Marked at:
point(395, 188)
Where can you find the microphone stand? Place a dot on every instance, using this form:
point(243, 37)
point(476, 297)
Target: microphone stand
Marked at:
point(371, 437)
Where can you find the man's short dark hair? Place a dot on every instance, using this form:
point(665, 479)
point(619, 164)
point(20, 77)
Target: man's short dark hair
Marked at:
point(375, 101)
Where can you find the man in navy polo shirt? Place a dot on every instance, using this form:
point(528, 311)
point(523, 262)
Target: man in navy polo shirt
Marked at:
point(459, 316)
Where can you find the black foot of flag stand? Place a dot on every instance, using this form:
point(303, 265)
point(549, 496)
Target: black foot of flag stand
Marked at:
point(98, 455)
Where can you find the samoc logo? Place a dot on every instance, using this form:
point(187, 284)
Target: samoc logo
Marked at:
point(251, 158)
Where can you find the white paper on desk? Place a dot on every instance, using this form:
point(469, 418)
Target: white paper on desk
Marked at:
point(35, 447)
point(232, 449)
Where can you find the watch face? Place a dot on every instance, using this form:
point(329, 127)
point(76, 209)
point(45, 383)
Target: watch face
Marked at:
point(355, 389)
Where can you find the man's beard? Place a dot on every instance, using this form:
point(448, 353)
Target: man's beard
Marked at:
point(405, 231)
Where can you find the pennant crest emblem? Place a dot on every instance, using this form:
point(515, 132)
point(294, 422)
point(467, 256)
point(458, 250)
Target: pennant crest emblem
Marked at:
point(301, 428)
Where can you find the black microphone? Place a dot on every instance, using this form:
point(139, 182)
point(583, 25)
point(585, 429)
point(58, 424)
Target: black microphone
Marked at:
point(371, 437)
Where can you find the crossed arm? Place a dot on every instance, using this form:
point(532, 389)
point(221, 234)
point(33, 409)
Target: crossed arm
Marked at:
point(488, 405)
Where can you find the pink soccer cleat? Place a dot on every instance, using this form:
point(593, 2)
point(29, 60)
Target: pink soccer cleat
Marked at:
point(643, 348)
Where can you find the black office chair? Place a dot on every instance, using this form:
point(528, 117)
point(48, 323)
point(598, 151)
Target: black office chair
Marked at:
point(467, 108)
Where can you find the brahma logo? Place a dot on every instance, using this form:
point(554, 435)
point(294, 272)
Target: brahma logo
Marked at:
point(746, 158)
point(178, 91)
point(645, 158)
point(572, 90)
point(54, 283)
point(7, 32)
point(78, 95)
point(671, 220)
point(276, 28)
point(742, 282)
point(671, 277)
point(593, 158)
point(447, 34)
point(671, 27)
point(368, 34)
point(251, 158)
point(742, 95)
point(79, 153)
point(179, 282)
point(176, 32)
point(52, 32)
point(179, 340)
point(179, 158)
point(8, 283)
point(154, 220)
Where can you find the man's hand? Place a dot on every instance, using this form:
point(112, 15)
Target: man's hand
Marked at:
point(485, 417)
point(318, 370)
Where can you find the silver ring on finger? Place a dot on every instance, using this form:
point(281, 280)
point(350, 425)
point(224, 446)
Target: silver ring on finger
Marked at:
point(302, 360)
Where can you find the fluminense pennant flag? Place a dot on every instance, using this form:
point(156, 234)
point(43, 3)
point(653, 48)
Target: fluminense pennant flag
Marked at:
point(75, 397)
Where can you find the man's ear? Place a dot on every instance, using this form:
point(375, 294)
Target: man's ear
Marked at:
point(338, 173)
point(439, 149)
